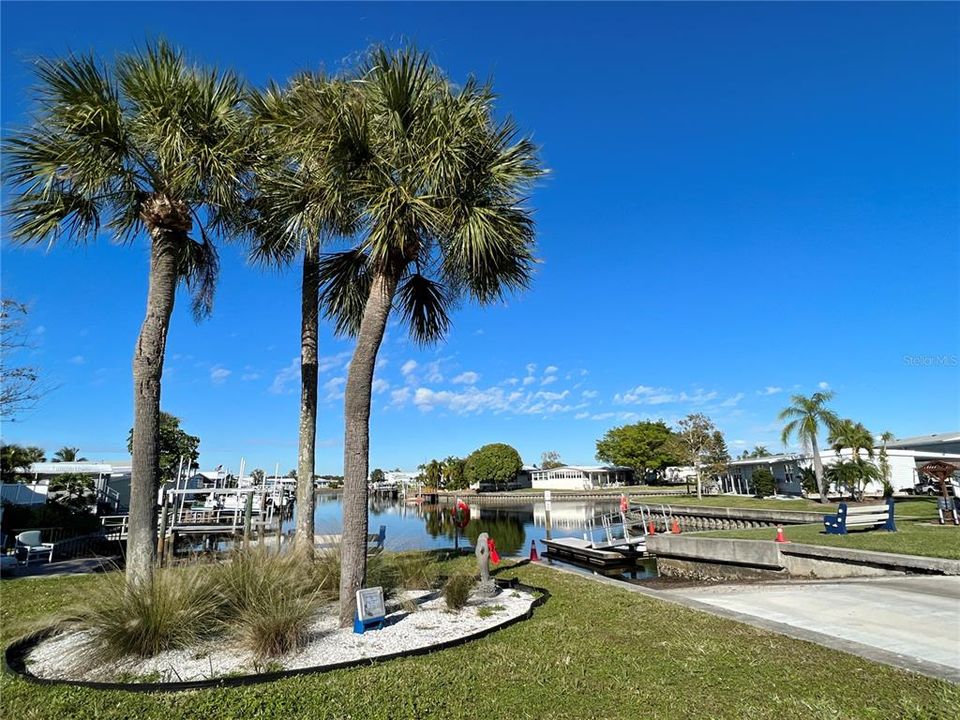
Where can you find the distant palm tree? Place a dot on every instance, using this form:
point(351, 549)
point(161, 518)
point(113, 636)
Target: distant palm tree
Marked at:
point(299, 200)
point(150, 145)
point(68, 454)
point(759, 451)
point(442, 185)
point(884, 463)
point(805, 417)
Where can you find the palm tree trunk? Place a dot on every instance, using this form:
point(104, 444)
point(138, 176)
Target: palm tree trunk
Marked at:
point(306, 455)
point(699, 483)
point(356, 444)
point(818, 469)
point(147, 372)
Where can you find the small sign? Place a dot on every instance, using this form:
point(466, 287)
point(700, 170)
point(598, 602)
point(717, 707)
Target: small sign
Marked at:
point(546, 500)
point(370, 604)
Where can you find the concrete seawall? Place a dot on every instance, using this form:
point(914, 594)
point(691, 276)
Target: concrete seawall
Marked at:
point(725, 559)
point(700, 517)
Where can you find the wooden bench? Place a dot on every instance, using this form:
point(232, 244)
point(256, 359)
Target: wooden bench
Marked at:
point(869, 516)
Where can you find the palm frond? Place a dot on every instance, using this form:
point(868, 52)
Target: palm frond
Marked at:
point(345, 283)
point(423, 305)
point(199, 266)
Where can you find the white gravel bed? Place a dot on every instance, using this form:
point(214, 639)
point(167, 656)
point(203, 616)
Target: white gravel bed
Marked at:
point(431, 624)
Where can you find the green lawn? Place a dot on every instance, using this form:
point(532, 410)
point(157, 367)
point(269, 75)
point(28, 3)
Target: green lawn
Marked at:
point(911, 538)
point(592, 651)
point(912, 507)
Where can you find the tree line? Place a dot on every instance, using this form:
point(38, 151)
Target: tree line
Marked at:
point(392, 189)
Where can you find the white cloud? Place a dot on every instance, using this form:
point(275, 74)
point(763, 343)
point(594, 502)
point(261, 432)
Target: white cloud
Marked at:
point(823, 385)
point(380, 386)
point(432, 370)
point(548, 380)
point(511, 381)
point(40, 330)
point(770, 390)
point(732, 400)
point(466, 378)
point(646, 395)
point(77, 360)
point(400, 397)
point(408, 367)
point(550, 369)
point(219, 375)
point(581, 415)
point(283, 379)
point(588, 394)
point(247, 377)
point(331, 362)
point(544, 395)
point(531, 368)
point(739, 442)
point(529, 380)
point(334, 388)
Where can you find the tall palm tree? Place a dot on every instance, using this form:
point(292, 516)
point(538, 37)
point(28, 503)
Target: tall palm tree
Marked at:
point(759, 451)
point(148, 146)
point(299, 199)
point(441, 186)
point(68, 454)
point(884, 463)
point(805, 417)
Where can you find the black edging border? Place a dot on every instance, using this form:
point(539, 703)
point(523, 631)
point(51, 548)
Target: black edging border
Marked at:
point(14, 657)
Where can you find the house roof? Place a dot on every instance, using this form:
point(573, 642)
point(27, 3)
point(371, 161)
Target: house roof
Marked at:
point(934, 439)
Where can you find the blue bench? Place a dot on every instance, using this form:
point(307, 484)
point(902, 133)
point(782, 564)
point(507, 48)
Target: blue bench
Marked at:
point(870, 516)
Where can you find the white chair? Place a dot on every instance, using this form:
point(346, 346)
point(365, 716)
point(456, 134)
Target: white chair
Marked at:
point(29, 547)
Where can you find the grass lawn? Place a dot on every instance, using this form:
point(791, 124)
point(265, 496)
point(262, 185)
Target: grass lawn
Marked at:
point(907, 507)
point(591, 652)
point(911, 538)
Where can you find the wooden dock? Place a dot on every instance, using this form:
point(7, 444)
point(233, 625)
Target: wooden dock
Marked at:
point(613, 560)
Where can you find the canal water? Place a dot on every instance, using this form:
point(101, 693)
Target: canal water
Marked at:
point(513, 527)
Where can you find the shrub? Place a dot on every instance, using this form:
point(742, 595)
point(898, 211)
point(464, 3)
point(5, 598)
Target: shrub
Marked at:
point(416, 570)
point(176, 609)
point(268, 601)
point(763, 482)
point(457, 590)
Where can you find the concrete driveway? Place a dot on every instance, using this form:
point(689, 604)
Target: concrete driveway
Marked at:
point(908, 621)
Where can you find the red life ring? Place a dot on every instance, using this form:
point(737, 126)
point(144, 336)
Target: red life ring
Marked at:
point(460, 514)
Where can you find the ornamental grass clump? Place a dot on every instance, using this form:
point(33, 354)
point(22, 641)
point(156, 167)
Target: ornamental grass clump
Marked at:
point(457, 590)
point(416, 570)
point(267, 601)
point(173, 610)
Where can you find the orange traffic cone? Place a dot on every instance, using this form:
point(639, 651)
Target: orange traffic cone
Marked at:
point(780, 538)
point(675, 529)
point(533, 552)
point(651, 529)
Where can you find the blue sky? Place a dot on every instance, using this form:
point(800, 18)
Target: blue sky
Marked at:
point(745, 201)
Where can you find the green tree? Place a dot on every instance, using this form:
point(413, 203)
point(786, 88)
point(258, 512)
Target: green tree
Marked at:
point(15, 461)
point(441, 185)
point(74, 489)
point(258, 476)
point(643, 446)
point(759, 451)
point(764, 483)
point(377, 476)
point(453, 473)
point(498, 463)
point(808, 480)
point(696, 444)
point(68, 454)
point(848, 434)
point(150, 146)
point(717, 457)
point(805, 417)
point(431, 474)
point(175, 444)
point(301, 196)
point(852, 475)
point(550, 459)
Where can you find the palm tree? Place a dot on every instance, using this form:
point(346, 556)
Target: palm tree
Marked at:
point(805, 417)
point(759, 451)
point(884, 463)
point(149, 145)
point(848, 434)
point(441, 185)
point(299, 199)
point(853, 474)
point(68, 454)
